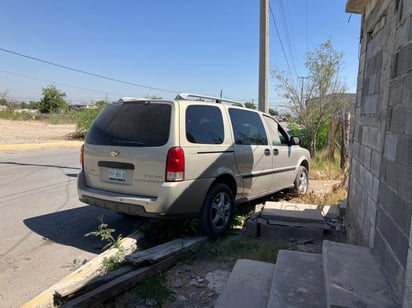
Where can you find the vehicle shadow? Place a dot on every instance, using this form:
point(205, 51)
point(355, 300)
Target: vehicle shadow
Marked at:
point(70, 226)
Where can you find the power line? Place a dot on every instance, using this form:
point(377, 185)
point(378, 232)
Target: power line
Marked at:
point(280, 39)
point(86, 73)
point(51, 81)
point(289, 41)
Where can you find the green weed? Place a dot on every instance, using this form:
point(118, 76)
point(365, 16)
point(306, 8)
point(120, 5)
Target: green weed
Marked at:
point(106, 234)
point(112, 263)
point(243, 248)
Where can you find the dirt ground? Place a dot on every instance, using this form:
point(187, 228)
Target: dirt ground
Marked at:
point(20, 132)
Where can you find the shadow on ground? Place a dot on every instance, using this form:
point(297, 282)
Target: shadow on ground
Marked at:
point(69, 227)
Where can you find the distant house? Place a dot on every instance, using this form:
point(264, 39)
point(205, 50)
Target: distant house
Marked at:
point(81, 107)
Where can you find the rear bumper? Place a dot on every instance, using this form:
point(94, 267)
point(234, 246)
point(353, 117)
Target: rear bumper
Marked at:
point(179, 199)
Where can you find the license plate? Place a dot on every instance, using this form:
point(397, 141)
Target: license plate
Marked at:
point(117, 175)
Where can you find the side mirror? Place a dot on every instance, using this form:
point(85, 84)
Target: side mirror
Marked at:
point(294, 140)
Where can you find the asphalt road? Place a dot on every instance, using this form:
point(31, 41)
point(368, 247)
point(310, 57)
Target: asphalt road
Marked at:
point(42, 222)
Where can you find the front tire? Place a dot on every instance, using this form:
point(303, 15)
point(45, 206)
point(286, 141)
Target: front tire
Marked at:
point(301, 181)
point(217, 212)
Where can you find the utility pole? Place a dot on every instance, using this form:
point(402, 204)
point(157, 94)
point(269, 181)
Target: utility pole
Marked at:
point(263, 101)
point(301, 90)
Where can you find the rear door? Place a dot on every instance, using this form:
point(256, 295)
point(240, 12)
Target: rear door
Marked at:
point(126, 148)
point(252, 151)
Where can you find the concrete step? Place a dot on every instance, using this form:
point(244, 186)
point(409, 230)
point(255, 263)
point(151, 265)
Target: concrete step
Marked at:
point(353, 277)
point(297, 281)
point(248, 285)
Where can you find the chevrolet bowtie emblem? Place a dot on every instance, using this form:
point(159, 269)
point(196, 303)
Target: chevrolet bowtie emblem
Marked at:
point(114, 154)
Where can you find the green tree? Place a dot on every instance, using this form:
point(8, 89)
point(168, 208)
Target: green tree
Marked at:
point(85, 118)
point(316, 99)
point(250, 105)
point(53, 101)
point(34, 105)
point(273, 112)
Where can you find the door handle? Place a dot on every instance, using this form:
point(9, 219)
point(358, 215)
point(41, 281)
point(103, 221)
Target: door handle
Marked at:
point(275, 152)
point(267, 152)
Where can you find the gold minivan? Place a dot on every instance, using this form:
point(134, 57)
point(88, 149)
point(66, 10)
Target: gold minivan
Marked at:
point(194, 156)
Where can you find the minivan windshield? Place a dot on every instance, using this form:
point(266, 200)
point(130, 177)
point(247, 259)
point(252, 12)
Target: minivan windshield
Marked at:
point(140, 124)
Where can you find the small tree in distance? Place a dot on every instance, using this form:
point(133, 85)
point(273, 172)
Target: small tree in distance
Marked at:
point(53, 101)
point(317, 98)
point(273, 112)
point(250, 105)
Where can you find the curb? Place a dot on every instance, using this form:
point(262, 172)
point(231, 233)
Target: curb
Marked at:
point(85, 273)
point(31, 146)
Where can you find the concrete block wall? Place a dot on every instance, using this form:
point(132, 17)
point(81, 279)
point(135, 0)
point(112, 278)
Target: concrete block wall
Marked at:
point(380, 191)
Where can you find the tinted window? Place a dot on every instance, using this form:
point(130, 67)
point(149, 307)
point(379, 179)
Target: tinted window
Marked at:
point(247, 127)
point(273, 130)
point(204, 124)
point(131, 124)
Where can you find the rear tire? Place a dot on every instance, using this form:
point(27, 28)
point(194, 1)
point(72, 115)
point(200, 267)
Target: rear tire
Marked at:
point(217, 212)
point(301, 181)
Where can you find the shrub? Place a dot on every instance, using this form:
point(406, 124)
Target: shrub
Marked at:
point(85, 119)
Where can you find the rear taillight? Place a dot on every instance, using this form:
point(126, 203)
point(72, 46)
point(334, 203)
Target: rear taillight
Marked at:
point(82, 156)
point(175, 166)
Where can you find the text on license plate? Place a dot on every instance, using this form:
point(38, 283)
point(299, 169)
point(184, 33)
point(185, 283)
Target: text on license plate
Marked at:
point(117, 175)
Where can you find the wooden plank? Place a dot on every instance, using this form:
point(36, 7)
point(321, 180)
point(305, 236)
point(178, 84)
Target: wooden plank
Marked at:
point(157, 253)
point(94, 268)
point(79, 278)
point(120, 285)
point(65, 294)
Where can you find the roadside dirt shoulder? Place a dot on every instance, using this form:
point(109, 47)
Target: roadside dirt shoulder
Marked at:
point(23, 132)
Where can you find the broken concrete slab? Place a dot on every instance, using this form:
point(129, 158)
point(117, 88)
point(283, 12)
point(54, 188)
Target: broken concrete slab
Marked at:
point(330, 211)
point(353, 277)
point(296, 212)
point(295, 215)
point(247, 286)
point(297, 281)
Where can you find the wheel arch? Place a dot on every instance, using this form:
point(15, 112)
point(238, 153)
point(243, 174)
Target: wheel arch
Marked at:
point(305, 163)
point(228, 180)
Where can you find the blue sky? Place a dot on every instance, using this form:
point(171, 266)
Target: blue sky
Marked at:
point(166, 46)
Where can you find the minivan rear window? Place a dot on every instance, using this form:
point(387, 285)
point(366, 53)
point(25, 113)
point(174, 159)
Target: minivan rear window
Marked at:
point(132, 124)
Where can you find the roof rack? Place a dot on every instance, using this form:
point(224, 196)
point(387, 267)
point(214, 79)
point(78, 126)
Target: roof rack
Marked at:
point(219, 100)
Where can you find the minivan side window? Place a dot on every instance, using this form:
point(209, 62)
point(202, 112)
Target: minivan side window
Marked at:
point(273, 130)
point(247, 127)
point(204, 124)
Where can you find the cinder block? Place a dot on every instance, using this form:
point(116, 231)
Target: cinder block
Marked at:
point(395, 238)
point(398, 120)
point(391, 146)
point(370, 104)
point(395, 92)
point(375, 163)
point(394, 272)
